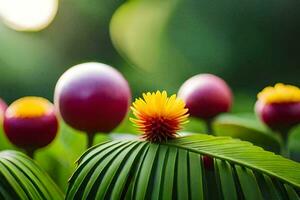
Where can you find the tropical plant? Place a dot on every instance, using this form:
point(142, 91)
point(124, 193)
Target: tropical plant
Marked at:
point(246, 126)
point(135, 169)
point(21, 178)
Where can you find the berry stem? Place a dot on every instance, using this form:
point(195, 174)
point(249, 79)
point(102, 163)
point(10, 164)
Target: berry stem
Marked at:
point(209, 129)
point(30, 153)
point(90, 139)
point(285, 151)
point(284, 144)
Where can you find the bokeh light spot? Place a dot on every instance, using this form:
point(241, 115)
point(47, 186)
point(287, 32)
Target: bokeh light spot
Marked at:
point(28, 15)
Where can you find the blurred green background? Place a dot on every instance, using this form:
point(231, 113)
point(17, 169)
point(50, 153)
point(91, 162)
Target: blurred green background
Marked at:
point(250, 44)
point(156, 45)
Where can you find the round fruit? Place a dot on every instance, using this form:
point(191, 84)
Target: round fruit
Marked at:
point(92, 97)
point(206, 96)
point(279, 107)
point(30, 123)
point(279, 116)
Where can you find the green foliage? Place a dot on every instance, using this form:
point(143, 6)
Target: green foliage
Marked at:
point(293, 144)
point(22, 178)
point(134, 169)
point(203, 36)
point(73, 143)
point(247, 127)
point(58, 159)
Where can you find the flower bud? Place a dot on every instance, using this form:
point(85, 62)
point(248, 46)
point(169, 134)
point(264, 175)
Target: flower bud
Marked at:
point(206, 96)
point(30, 123)
point(92, 97)
point(279, 107)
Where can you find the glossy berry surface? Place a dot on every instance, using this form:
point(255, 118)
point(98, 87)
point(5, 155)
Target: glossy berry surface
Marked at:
point(30, 123)
point(92, 97)
point(206, 96)
point(279, 116)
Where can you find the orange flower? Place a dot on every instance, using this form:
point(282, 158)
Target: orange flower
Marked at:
point(158, 116)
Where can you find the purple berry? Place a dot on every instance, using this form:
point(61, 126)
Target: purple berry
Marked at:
point(92, 97)
point(206, 96)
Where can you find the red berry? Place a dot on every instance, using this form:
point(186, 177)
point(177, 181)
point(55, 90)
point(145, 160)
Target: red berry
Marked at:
point(92, 97)
point(208, 162)
point(279, 116)
point(279, 107)
point(206, 96)
point(30, 123)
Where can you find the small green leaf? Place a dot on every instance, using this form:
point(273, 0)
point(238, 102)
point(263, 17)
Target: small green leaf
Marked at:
point(292, 194)
point(227, 180)
point(159, 175)
point(196, 185)
point(182, 175)
point(247, 127)
point(111, 172)
point(124, 173)
point(293, 144)
point(169, 172)
point(21, 178)
point(145, 172)
point(248, 183)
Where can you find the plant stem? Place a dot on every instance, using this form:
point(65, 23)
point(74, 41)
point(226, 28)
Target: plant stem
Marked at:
point(209, 129)
point(284, 144)
point(90, 139)
point(284, 150)
point(30, 153)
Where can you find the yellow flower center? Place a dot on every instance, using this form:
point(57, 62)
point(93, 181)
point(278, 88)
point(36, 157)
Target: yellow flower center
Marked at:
point(158, 116)
point(280, 93)
point(27, 107)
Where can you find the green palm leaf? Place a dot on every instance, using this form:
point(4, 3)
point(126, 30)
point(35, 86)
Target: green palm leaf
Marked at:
point(134, 169)
point(247, 127)
point(21, 178)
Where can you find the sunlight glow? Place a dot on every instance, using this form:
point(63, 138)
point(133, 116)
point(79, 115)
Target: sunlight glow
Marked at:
point(28, 15)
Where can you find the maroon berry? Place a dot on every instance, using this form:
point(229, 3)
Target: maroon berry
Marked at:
point(279, 116)
point(279, 107)
point(92, 97)
point(30, 123)
point(208, 162)
point(206, 96)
